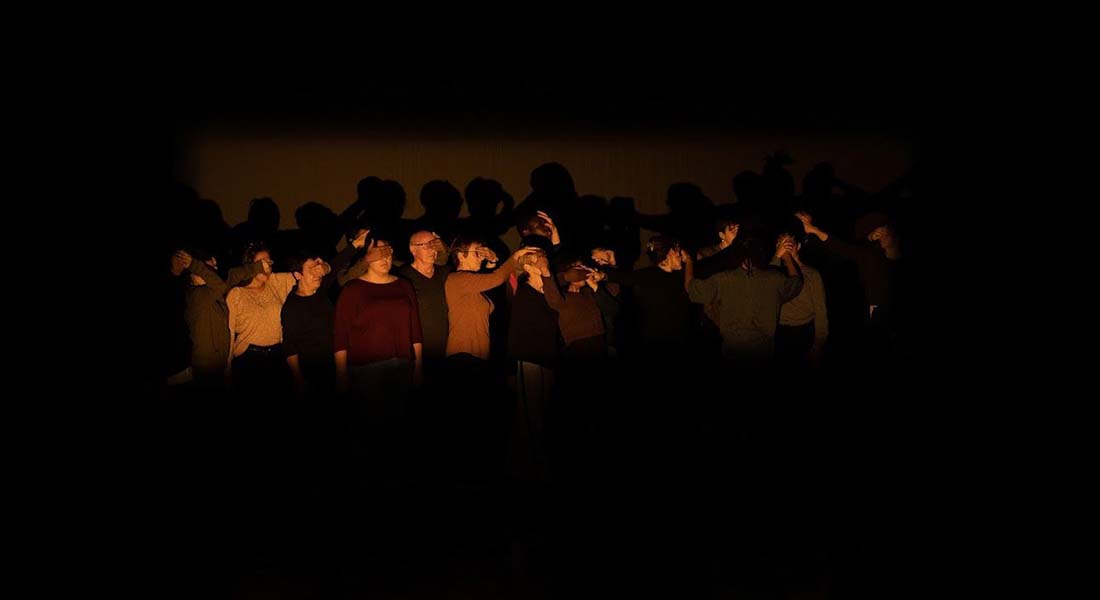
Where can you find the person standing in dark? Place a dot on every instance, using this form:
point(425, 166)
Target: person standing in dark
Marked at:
point(468, 308)
point(308, 318)
point(378, 339)
point(534, 339)
point(428, 279)
point(378, 344)
point(483, 197)
point(727, 230)
point(173, 354)
point(749, 299)
point(480, 405)
point(259, 368)
point(663, 309)
point(207, 317)
point(534, 343)
point(804, 321)
point(579, 317)
point(609, 299)
point(539, 223)
point(878, 264)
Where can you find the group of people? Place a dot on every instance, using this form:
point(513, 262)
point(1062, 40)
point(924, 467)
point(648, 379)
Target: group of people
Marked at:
point(397, 315)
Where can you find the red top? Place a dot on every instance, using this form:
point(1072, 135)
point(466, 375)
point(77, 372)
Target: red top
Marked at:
point(377, 321)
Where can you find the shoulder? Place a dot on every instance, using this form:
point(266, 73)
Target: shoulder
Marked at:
point(355, 287)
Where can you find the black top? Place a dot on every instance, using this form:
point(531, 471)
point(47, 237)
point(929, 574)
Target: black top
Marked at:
point(432, 302)
point(533, 335)
point(663, 308)
point(876, 272)
point(308, 322)
point(308, 326)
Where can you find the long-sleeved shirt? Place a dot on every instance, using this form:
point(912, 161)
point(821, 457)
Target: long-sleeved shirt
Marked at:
point(579, 316)
point(342, 270)
point(808, 306)
point(749, 304)
point(240, 275)
point(876, 272)
point(207, 317)
point(714, 261)
point(664, 309)
point(533, 334)
point(309, 321)
point(726, 259)
point(377, 321)
point(468, 309)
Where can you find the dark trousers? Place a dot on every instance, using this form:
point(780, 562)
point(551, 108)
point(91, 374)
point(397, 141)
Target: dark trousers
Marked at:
point(792, 346)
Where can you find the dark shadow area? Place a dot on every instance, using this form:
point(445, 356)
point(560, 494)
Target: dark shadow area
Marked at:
point(714, 401)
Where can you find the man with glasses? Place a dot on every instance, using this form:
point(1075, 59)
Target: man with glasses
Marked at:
point(427, 279)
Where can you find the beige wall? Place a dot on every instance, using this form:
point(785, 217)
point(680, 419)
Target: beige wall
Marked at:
point(296, 166)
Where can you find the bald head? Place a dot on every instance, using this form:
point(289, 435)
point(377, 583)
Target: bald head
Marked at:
point(421, 237)
point(425, 247)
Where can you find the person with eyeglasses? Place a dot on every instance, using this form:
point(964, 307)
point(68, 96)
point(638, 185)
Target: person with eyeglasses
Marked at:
point(467, 307)
point(428, 278)
point(478, 411)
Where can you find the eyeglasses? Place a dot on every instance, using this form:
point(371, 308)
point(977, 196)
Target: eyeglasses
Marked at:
point(480, 250)
point(433, 242)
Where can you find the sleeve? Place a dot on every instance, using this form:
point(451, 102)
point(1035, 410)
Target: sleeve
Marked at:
point(210, 276)
point(472, 283)
point(703, 291)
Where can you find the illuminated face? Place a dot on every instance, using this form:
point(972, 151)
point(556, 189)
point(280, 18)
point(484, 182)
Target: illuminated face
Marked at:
point(472, 257)
point(425, 247)
point(382, 265)
point(313, 271)
point(674, 261)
